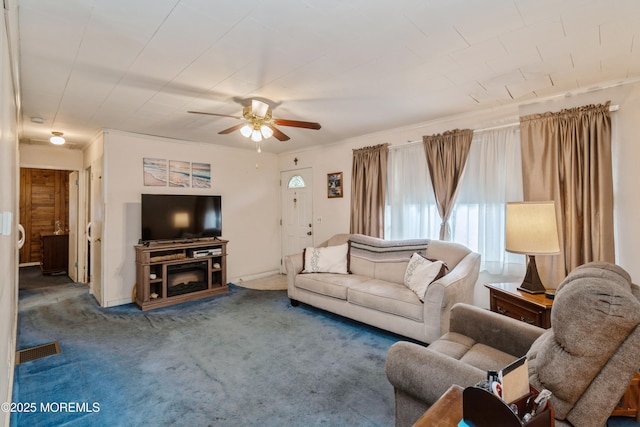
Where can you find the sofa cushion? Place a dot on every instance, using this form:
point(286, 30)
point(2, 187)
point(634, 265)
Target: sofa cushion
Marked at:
point(452, 344)
point(465, 349)
point(329, 284)
point(484, 357)
point(390, 271)
point(332, 259)
point(387, 297)
point(421, 272)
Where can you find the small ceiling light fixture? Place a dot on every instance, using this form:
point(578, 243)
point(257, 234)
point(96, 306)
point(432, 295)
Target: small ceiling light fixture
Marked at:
point(57, 138)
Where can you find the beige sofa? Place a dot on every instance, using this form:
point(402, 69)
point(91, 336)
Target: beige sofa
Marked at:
point(374, 293)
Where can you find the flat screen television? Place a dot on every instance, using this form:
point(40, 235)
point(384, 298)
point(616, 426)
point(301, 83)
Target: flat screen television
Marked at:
point(180, 217)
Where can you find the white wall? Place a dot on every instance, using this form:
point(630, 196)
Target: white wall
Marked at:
point(50, 157)
point(247, 182)
point(8, 203)
point(626, 152)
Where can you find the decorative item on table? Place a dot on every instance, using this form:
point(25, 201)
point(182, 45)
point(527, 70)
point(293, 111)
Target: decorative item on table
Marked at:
point(531, 229)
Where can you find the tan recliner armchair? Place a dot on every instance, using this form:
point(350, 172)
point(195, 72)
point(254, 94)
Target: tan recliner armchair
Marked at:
point(586, 359)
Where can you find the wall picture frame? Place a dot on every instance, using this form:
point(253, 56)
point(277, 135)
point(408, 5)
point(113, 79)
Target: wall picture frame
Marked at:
point(334, 185)
point(155, 172)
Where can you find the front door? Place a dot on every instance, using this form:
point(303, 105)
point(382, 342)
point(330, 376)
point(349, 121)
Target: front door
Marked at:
point(297, 211)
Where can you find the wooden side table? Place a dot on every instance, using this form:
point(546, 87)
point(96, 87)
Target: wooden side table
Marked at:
point(534, 309)
point(629, 405)
point(446, 412)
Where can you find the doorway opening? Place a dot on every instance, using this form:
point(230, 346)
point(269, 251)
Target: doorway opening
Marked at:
point(49, 215)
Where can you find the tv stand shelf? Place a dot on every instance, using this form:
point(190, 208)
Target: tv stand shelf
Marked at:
point(176, 272)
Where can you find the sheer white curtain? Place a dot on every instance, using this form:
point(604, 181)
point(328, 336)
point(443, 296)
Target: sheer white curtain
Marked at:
point(411, 210)
point(493, 177)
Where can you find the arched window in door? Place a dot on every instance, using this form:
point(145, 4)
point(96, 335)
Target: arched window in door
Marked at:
point(296, 181)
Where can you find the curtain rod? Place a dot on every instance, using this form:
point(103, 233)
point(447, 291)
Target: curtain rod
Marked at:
point(612, 108)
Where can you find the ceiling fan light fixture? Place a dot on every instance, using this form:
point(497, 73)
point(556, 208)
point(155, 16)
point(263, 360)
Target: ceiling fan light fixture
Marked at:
point(57, 138)
point(259, 108)
point(266, 131)
point(256, 136)
point(246, 131)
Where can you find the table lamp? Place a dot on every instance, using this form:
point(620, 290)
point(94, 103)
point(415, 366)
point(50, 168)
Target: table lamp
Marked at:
point(531, 230)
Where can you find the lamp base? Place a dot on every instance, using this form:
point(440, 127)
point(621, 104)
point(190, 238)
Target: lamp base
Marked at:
point(532, 283)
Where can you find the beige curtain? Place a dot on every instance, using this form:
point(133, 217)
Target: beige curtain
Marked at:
point(566, 157)
point(446, 157)
point(368, 190)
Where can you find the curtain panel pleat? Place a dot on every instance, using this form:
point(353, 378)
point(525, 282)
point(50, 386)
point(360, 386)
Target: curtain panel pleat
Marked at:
point(446, 155)
point(566, 157)
point(368, 190)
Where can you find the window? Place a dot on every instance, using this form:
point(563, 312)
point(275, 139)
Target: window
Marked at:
point(492, 176)
point(296, 182)
point(410, 211)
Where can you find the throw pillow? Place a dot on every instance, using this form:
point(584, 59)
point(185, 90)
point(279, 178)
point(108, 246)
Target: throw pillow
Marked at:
point(421, 272)
point(332, 259)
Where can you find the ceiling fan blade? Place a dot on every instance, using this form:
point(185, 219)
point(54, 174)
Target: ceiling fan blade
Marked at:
point(297, 124)
point(215, 114)
point(278, 134)
point(231, 129)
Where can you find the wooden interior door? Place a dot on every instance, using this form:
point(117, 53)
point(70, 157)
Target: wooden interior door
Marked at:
point(44, 199)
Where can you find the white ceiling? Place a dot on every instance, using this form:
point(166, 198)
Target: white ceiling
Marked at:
point(355, 66)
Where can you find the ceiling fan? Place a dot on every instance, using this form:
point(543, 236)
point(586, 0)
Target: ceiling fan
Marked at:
point(258, 123)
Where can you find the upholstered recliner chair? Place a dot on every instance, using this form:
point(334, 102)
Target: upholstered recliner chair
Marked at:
point(586, 359)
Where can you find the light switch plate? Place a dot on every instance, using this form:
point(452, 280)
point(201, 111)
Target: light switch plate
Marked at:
point(5, 223)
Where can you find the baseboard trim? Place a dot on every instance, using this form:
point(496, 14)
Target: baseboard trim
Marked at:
point(254, 276)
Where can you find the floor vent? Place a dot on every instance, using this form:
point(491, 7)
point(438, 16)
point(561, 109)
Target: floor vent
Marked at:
point(38, 352)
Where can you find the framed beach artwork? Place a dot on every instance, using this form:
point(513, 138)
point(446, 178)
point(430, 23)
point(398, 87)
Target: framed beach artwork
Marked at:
point(154, 172)
point(334, 184)
point(200, 175)
point(179, 173)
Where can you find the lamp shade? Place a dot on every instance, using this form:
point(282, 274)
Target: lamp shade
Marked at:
point(266, 131)
point(531, 228)
point(246, 131)
point(256, 136)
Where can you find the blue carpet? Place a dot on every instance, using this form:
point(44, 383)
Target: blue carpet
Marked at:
point(240, 359)
point(622, 422)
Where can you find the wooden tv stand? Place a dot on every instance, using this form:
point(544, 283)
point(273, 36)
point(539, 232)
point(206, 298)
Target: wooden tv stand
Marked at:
point(173, 273)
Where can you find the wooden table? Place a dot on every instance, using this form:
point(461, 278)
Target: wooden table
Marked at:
point(629, 405)
point(535, 309)
point(446, 412)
